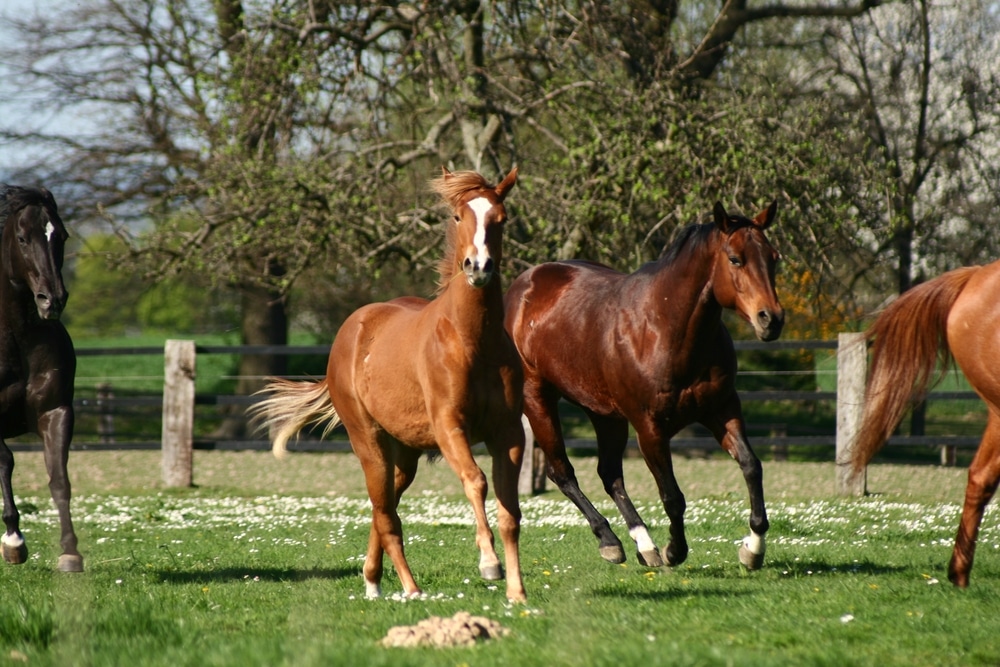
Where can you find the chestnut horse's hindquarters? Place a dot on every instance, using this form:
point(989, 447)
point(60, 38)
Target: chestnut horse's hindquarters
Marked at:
point(291, 406)
point(953, 316)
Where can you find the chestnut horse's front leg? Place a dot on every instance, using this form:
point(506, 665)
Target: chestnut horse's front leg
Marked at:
point(508, 451)
point(56, 429)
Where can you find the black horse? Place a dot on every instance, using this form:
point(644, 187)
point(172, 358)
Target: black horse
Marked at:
point(37, 360)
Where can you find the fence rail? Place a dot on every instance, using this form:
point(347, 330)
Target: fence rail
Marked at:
point(180, 406)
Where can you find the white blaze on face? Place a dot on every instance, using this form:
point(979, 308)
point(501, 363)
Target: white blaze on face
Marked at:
point(480, 206)
point(49, 231)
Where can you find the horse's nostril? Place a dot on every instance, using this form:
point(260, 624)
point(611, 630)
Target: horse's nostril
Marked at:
point(764, 317)
point(488, 265)
point(468, 263)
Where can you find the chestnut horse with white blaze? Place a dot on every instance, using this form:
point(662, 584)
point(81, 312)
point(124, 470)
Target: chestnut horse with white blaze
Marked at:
point(648, 349)
point(411, 375)
point(956, 317)
point(37, 359)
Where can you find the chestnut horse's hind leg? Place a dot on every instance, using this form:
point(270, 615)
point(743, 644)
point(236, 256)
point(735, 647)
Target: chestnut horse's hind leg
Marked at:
point(12, 544)
point(56, 427)
point(386, 534)
point(612, 438)
point(731, 433)
point(984, 474)
point(543, 416)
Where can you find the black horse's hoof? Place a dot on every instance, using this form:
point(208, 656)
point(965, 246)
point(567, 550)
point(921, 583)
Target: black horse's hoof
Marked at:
point(15, 555)
point(613, 554)
point(70, 563)
point(674, 557)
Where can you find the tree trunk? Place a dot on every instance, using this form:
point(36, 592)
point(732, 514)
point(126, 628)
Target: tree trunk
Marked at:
point(264, 322)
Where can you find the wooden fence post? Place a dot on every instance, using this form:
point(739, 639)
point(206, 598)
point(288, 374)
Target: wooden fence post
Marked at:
point(852, 371)
point(178, 412)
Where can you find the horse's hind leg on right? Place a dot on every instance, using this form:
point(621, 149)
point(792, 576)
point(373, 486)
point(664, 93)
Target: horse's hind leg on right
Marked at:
point(984, 475)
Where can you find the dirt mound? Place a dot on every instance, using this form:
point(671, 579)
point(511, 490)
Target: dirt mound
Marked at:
point(462, 629)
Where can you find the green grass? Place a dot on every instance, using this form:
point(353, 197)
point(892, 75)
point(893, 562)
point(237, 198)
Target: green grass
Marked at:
point(260, 565)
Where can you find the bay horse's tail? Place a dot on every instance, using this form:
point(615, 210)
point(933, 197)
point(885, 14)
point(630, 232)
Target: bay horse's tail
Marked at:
point(910, 339)
point(290, 407)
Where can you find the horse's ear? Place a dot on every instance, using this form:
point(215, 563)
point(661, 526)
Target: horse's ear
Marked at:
point(506, 184)
point(766, 217)
point(721, 217)
point(445, 174)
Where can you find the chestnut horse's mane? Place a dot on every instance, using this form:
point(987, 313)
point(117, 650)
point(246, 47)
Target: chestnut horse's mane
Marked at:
point(453, 189)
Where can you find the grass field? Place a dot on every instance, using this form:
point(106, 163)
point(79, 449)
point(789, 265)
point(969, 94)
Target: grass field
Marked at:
point(259, 564)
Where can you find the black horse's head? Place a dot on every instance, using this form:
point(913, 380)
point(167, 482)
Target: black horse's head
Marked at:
point(33, 239)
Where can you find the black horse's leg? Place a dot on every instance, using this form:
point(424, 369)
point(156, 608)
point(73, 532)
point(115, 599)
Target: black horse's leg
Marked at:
point(730, 430)
point(612, 438)
point(654, 444)
point(12, 543)
point(541, 410)
point(56, 429)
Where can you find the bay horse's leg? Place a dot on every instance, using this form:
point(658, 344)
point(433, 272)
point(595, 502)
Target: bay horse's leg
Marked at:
point(56, 428)
point(654, 444)
point(542, 412)
point(729, 429)
point(12, 544)
point(984, 474)
point(386, 536)
point(612, 438)
point(507, 451)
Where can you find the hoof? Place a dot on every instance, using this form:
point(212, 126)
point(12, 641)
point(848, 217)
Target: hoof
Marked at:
point(491, 572)
point(613, 554)
point(650, 558)
point(70, 563)
point(750, 560)
point(673, 559)
point(15, 555)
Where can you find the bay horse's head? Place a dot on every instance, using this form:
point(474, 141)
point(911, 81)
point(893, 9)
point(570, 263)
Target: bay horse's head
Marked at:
point(744, 270)
point(33, 239)
point(475, 238)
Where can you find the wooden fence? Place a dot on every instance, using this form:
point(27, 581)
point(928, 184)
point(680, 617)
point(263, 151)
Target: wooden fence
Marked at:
point(179, 399)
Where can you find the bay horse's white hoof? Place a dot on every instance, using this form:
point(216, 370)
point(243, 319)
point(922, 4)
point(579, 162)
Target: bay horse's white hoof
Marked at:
point(752, 551)
point(70, 563)
point(15, 550)
point(650, 558)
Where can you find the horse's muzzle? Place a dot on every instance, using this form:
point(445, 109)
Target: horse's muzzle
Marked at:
point(768, 324)
point(478, 275)
point(50, 308)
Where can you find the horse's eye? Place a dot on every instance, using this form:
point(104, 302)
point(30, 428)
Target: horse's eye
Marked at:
point(22, 240)
point(735, 261)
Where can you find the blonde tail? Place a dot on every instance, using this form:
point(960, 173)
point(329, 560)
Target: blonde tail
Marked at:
point(290, 407)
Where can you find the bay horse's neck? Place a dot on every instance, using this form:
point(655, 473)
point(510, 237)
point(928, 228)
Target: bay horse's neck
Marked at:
point(680, 284)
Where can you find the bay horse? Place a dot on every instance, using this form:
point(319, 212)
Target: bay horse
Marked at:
point(37, 359)
point(648, 349)
point(410, 375)
point(953, 317)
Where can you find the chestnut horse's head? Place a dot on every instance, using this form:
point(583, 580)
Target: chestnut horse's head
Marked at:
point(33, 238)
point(476, 236)
point(744, 270)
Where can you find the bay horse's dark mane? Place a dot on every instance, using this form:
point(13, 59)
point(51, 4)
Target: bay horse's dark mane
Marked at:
point(696, 234)
point(13, 198)
point(452, 190)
